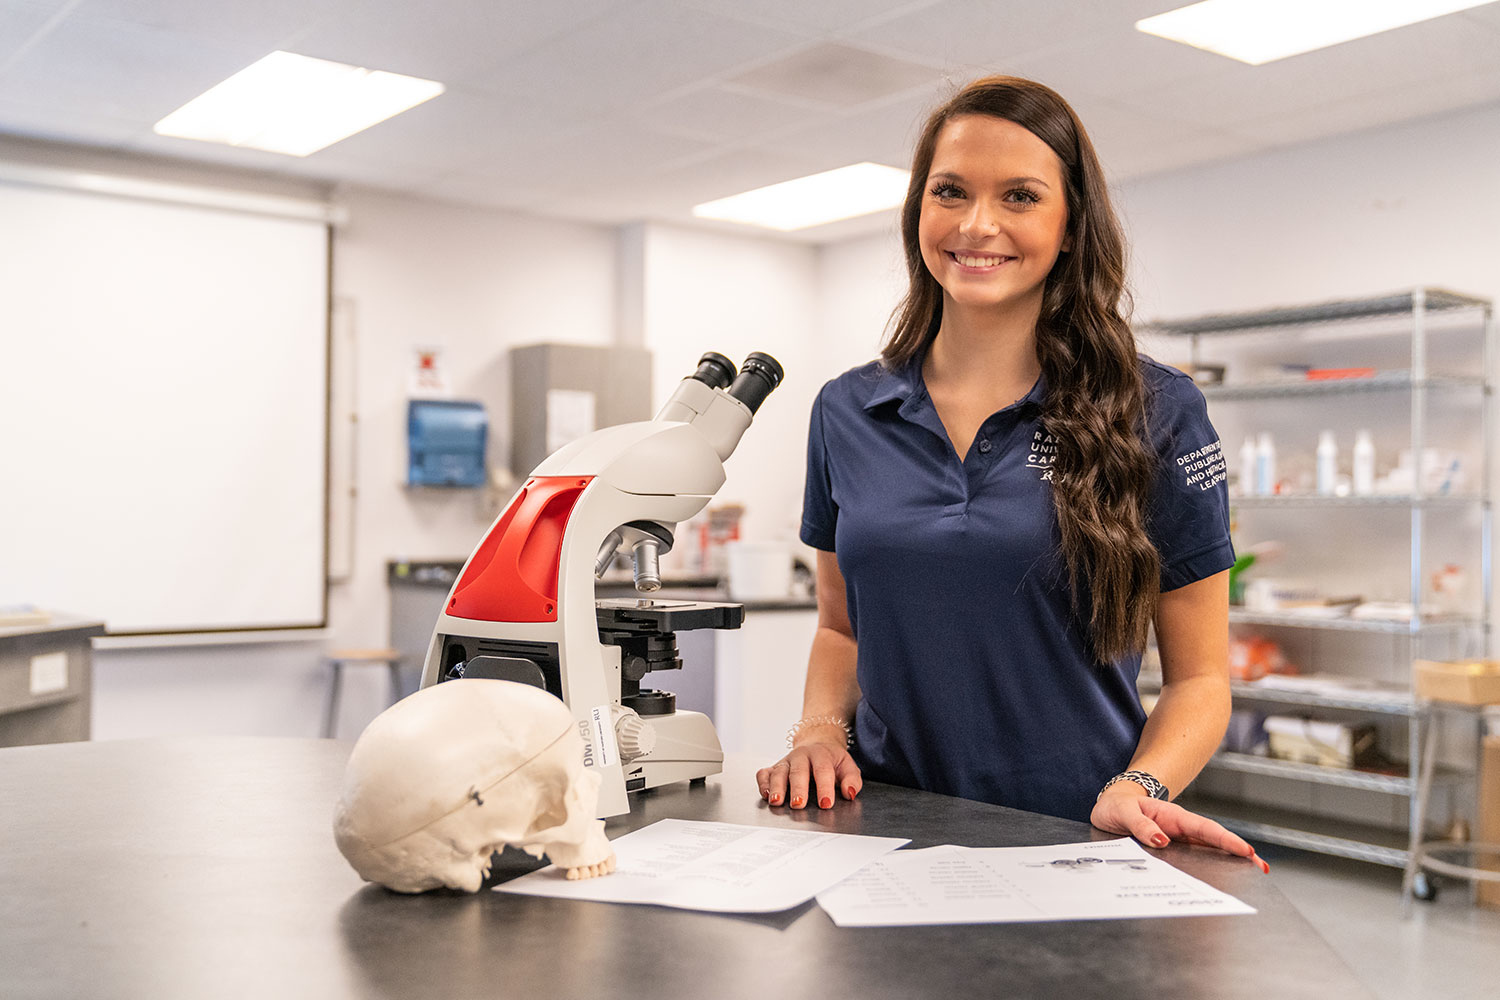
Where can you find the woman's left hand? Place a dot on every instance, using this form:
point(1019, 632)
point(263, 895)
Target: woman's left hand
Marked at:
point(1157, 823)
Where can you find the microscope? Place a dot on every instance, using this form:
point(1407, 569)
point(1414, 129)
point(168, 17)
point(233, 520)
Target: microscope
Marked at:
point(523, 606)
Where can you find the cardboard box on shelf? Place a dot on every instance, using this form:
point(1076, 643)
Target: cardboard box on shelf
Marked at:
point(1489, 814)
point(1466, 682)
point(1316, 741)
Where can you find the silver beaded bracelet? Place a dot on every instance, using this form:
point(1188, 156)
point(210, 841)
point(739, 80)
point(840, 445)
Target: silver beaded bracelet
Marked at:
point(819, 720)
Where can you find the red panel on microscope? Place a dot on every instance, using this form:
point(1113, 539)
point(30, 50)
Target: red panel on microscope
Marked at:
point(512, 576)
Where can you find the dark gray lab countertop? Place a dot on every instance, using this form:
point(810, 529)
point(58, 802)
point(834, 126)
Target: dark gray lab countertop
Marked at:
point(207, 868)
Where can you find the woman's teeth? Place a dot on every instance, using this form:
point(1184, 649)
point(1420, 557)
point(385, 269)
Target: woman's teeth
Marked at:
point(968, 261)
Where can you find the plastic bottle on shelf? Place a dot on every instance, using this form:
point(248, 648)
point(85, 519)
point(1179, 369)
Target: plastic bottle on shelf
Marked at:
point(1247, 467)
point(1328, 464)
point(1364, 464)
point(1265, 465)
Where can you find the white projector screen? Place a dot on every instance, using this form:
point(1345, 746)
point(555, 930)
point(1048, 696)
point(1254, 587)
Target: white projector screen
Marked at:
point(163, 399)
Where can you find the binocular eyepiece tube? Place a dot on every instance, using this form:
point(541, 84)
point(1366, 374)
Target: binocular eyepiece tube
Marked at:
point(754, 381)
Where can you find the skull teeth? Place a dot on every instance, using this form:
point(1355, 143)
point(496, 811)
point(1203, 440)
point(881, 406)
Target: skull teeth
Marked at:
point(593, 871)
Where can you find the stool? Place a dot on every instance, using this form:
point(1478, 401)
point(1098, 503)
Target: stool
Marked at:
point(1420, 857)
point(337, 659)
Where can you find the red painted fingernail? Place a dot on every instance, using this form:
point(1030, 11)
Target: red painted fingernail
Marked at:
point(849, 792)
point(1265, 868)
point(797, 802)
point(825, 802)
point(1159, 840)
point(776, 799)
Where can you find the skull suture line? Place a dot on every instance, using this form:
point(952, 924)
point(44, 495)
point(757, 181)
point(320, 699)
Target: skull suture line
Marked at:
point(446, 776)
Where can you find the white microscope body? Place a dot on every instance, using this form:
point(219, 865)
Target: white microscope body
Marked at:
point(523, 607)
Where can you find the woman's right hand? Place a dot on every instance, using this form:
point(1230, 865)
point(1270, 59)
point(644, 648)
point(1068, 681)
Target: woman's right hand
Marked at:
point(829, 767)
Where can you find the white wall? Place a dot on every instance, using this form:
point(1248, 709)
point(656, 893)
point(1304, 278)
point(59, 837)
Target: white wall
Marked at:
point(1375, 211)
point(860, 282)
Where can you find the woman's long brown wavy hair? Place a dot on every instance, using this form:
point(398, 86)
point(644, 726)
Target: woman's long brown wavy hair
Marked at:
point(1095, 403)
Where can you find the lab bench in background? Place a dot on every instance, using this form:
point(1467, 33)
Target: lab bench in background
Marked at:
point(46, 680)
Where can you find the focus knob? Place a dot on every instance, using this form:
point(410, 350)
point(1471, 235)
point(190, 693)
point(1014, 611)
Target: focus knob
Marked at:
point(636, 737)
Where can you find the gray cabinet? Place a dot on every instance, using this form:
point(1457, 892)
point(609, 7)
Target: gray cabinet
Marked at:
point(561, 391)
point(46, 681)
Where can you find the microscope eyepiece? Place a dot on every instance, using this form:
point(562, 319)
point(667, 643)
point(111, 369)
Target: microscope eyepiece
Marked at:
point(760, 374)
point(714, 371)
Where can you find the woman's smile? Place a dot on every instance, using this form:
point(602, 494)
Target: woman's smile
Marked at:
point(978, 262)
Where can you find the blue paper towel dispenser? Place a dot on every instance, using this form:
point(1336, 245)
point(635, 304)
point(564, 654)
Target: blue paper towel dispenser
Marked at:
point(445, 442)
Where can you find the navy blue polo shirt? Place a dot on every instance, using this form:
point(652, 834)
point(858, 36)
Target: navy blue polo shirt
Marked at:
point(975, 672)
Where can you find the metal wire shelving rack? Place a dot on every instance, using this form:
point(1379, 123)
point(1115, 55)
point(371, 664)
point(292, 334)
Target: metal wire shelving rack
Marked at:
point(1414, 310)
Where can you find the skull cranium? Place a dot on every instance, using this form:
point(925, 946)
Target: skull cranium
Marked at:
point(446, 776)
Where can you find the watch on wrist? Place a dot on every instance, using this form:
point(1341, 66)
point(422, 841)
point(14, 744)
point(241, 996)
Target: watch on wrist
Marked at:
point(1153, 787)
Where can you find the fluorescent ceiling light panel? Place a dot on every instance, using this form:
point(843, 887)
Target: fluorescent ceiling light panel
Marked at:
point(296, 105)
point(1262, 31)
point(858, 189)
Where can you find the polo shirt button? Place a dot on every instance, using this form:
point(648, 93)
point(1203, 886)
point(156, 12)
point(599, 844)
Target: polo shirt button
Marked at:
point(984, 446)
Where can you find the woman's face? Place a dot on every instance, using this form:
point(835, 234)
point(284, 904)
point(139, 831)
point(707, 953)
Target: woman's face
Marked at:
point(994, 215)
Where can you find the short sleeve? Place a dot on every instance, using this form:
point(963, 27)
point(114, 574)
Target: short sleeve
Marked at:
point(1188, 514)
point(819, 513)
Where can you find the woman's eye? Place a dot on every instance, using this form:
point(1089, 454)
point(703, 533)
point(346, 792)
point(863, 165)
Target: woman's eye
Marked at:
point(1025, 196)
point(946, 191)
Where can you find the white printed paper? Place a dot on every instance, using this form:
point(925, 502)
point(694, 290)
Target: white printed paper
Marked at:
point(721, 867)
point(428, 380)
point(1098, 880)
point(570, 415)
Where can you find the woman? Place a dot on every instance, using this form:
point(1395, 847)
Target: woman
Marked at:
point(1006, 500)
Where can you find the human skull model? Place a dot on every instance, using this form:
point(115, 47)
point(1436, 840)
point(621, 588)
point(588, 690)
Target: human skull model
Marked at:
point(448, 775)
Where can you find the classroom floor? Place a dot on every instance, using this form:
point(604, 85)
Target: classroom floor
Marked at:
point(1447, 950)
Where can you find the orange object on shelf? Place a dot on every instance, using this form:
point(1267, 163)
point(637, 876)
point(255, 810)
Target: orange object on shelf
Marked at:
point(1252, 659)
point(1324, 374)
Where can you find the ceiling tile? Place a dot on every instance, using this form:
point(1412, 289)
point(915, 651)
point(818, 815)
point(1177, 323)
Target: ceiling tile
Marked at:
point(822, 16)
point(450, 41)
point(258, 27)
point(723, 113)
point(1118, 62)
point(718, 174)
point(840, 76)
point(626, 59)
point(986, 34)
point(456, 130)
point(881, 135)
point(1488, 15)
point(109, 68)
point(19, 24)
point(609, 154)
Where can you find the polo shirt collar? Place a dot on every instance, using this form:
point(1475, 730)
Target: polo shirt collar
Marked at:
point(897, 383)
point(905, 384)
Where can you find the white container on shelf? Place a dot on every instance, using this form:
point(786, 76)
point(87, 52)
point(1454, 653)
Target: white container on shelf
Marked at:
point(758, 571)
point(1364, 464)
point(1247, 467)
point(1265, 464)
point(1328, 464)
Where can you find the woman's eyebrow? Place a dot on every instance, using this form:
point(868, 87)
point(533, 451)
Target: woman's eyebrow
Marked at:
point(949, 175)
